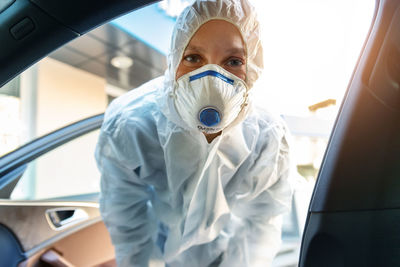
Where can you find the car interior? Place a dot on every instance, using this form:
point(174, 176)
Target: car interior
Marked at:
point(355, 207)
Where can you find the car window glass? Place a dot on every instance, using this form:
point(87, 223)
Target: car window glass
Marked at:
point(76, 81)
point(309, 46)
point(68, 170)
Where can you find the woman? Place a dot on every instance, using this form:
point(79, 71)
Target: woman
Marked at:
point(190, 169)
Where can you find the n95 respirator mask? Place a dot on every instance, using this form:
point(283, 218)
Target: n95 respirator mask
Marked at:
point(209, 98)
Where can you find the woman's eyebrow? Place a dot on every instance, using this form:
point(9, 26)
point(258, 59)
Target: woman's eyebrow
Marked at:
point(194, 48)
point(236, 50)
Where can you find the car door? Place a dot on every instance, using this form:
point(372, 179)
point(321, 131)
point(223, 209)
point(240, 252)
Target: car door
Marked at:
point(43, 227)
point(354, 214)
point(49, 201)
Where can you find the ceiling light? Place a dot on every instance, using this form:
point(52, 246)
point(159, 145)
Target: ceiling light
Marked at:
point(122, 62)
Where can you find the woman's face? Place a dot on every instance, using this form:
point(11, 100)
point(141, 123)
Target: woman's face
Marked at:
point(216, 42)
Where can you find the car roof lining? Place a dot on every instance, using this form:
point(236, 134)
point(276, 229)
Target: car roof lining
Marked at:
point(30, 30)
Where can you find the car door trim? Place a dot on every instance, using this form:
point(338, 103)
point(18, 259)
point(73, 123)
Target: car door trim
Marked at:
point(36, 233)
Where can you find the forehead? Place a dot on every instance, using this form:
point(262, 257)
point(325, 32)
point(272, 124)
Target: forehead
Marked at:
point(219, 33)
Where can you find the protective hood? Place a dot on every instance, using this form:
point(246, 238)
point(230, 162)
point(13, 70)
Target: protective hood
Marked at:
point(238, 12)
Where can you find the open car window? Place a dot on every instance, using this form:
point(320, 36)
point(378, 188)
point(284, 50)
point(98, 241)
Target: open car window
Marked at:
point(76, 81)
point(68, 170)
point(310, 49)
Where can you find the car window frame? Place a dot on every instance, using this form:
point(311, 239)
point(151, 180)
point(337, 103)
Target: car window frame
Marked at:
point(13, 164)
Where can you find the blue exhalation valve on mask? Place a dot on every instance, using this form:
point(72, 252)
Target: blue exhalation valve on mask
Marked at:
point(209, 117)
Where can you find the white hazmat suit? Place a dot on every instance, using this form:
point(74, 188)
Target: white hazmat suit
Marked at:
point(166, 190)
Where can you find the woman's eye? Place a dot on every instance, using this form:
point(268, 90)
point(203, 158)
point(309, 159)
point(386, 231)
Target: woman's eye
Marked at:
point(235, 62)
point(192, 58)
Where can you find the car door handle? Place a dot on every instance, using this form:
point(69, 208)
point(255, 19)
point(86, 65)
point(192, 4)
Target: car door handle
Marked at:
point(65, 217)
point(54, 259)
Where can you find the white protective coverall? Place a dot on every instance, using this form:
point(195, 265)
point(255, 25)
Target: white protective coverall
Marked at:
point(166, 190)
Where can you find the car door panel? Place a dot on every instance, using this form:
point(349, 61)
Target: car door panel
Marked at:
point(96, 244)
point(32, 228)
point(29, 221)
point(89, 246)
point(355, 208)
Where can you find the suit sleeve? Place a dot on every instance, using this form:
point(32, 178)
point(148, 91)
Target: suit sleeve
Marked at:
point(257, 233)
point(124, 200)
